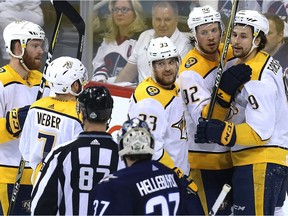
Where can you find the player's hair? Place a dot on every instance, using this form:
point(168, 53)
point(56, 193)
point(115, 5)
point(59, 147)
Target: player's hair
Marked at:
point(134, 29)
point(262, 42)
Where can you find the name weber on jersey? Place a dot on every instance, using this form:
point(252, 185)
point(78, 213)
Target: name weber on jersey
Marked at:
point(157, 183)
point(48, 120)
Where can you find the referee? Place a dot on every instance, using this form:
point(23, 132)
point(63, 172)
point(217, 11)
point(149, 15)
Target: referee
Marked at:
point(69, 172)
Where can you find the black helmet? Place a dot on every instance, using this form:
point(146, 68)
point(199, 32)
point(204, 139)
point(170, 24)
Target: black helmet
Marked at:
point(96, 103)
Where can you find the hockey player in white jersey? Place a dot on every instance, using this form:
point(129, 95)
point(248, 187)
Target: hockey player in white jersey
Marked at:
point(54, 120)
point(19, 84)
point(65, 182)
point(257, 129)
point(157, 100)
point(211, 165)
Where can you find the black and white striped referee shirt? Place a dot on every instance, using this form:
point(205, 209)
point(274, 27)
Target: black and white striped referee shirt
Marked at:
point(70, 171)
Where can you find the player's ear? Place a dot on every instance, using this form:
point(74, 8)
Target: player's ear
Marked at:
point(17, 49)
point(257, 41)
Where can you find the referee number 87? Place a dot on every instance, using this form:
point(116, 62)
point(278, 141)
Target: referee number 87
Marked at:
point(86, 176)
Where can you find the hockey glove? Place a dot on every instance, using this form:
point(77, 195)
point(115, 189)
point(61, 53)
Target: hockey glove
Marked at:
point(15, 119)
point(231, 80)
point(186, 182)
point(216, 131)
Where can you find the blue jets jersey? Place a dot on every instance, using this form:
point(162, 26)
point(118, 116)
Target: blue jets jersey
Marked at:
point(145, 188)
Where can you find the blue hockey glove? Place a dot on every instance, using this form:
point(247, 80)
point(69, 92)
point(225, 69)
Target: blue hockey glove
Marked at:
point(216, 131)
point(231, 80)
point(186, 182)
point(15, 119)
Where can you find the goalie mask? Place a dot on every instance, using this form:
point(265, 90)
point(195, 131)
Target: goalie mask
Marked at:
point(135, 138)
point(96, 103)
point(23, 31)
point(63, 72)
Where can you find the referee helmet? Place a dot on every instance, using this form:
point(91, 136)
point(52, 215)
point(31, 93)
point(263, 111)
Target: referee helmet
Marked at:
point(96, 103)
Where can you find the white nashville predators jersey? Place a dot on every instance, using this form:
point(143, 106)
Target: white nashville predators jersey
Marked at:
point(163, 110)
point(262, 104)
point(49, 123)
point(197, 77)
point(14, 92)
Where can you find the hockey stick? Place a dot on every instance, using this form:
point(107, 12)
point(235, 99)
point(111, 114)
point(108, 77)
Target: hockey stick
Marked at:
point(225, 190)
point(222, 58)
point(61, 8)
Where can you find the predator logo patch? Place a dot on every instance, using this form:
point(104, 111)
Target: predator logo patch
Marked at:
point(190, 61)
point(152, 90)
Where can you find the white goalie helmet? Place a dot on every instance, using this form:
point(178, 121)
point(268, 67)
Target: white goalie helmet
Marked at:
point(63, 72)
point(161, 48)
point(134, 138)
point(23, 31)
point(203, 15)
point(253, 18)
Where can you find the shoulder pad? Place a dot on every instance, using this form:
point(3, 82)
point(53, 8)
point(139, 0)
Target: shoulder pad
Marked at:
point(149, 89)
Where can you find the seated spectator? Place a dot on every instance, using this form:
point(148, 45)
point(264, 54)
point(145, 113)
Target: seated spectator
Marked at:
point(164, 22)
point(125, 25)
point(275, 45)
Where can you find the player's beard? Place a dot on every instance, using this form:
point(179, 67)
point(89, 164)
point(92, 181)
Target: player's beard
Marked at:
point(208, 51)
point(165, 82)
point(31, 63)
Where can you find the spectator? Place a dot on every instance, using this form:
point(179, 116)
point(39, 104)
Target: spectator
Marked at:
point(275, 45)
point(164, 22)
point(12, 10)
point(136, 147)
point(19, 83)
point(53, 120)
point(256, 130)
point(70, 170)
point(125, 25)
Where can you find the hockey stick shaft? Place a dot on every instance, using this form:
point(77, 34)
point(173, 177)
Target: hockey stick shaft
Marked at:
point(222, 58)
point(225, 190)
point(77, 21)
point(61, 8)
point(59, 17)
